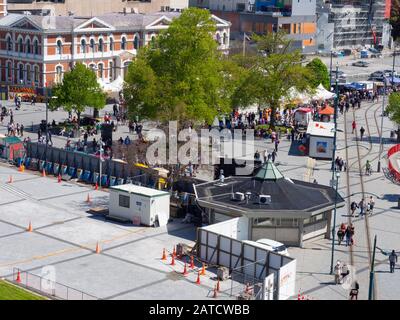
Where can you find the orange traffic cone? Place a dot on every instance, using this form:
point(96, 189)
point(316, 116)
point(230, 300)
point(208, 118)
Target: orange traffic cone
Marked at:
point(22, 168)
point(198, 279)
point(218, 287)
point(164, 256)
point(185, 273)
point(215, 293)
point(29, 227)
point(96, 187)
point(173, 260)
point(174, 252)
point(44, 173)
point(191, 262)
point(10, 180)
point(203, 270)
point(88, 198)
point(59, 178)
point(98, 248)
point(18, 277)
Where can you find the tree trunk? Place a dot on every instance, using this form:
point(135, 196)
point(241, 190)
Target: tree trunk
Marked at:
point(272, 117)
point(79, 119)
point(95, 113)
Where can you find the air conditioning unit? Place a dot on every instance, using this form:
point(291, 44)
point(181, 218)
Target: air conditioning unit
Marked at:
point(239, 196)
point(264, 199)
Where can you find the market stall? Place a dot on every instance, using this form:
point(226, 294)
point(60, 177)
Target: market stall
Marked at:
point(11, 148)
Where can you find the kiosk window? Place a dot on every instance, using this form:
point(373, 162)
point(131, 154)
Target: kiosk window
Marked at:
point(124, 201)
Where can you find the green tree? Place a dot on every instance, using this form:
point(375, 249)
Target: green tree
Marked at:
point(78, 90)
point(319, 73)
point(393, 109)
point(395, 19)
point(181, 75)
point(274, 72)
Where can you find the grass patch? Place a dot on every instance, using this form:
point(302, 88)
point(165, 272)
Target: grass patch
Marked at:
point(11, 292)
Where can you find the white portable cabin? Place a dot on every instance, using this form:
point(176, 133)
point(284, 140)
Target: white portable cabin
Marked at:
point(320, 137)
point(139, 204)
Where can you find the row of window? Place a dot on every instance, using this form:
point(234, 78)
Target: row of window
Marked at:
point(287, 222)
point(26, 73)
point(100, 46)
point(23, 47)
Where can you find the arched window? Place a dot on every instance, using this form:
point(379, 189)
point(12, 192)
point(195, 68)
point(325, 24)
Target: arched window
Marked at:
point(92, 67)
point(59, 74)
point(9, 70)
point(101, 45)
point(111, 71)
point(9, 44)
point(92, 45)
point(36, 46)
point(83, 46)
point(28, 46)
point(100, 71)
point(123, 43)
point(136, 42)
point(111, 44)
point(20, 45)
point(218, 39)
point(21, 73)
point(28, 73)
point(36, 74)
point(59, 47)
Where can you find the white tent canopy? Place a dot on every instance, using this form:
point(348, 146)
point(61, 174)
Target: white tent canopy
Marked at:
point(322, 94)
point(115, 86)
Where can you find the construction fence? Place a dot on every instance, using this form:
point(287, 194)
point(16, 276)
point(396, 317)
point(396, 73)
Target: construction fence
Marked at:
point(247, 261)
point(47, 287)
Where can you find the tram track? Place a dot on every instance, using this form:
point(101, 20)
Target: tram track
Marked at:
point(360, 167)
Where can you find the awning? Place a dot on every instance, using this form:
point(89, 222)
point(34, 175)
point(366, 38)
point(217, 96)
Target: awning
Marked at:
point(304, 109)
point(327, 110)
point(322, 94)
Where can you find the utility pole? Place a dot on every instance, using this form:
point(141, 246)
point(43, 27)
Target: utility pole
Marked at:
point(334, 222)
point(101, 162)
point(244, 44)
point(371, 274)
point(335, 121)
point(47, 119)
point(330, 72)
point(381, 135)
point(394, 62)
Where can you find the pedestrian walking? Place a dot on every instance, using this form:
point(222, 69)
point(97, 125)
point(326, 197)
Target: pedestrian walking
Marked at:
point(276, 144)
point(353, 126)
point(362, 130)
point(371, 205)
point(392, 261)
point(338, 272)
point(354, 291)
point(265, 155)
point(353, 207)
point(340, 235)
point(273, 156)
point(362, 207)
point(21, 128)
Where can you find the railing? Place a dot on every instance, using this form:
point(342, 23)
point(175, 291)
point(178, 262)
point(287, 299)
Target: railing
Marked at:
point(47, 287)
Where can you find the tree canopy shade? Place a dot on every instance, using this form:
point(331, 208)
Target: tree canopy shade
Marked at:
point(180, 76)
point(319, 73)
point(273, 73)
point(78, 90)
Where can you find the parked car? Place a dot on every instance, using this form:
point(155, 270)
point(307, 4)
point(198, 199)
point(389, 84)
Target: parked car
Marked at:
point(388, 73)
point(274, 246)
point(341, 75)
point(360, 63)
point(364, 54)
point(347, 52)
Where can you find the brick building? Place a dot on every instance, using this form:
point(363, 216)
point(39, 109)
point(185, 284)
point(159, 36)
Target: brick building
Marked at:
point(38, 50)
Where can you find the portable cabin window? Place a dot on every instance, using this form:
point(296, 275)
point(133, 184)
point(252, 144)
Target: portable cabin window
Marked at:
point(124, 201)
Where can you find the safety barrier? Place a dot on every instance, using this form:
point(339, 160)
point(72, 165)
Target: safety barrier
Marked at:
point(47, 287)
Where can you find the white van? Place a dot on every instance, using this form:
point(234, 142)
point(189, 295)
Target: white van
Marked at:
point(274, 246)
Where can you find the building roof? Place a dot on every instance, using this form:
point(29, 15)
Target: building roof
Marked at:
point(110, 21)
point(287, 196)
point(321, 129)
point(144, 191)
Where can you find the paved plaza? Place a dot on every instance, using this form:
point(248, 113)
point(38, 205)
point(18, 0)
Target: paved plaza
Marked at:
point(129, 265)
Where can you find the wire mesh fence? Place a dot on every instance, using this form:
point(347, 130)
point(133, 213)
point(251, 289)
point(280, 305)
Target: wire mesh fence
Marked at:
point(48, 287)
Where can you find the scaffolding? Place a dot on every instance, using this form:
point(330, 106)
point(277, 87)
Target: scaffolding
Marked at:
point(357, 23)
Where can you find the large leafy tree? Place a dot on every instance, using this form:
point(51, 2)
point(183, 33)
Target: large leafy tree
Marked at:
point(78, 90)
point(273, 72)
point(393, 109)
point(319, 73)
point(395, 19)
point(181, 75)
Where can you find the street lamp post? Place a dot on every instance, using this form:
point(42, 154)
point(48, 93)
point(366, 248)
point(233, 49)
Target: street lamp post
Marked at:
point(335, 121)
point(101, 162)
point(372, 273)
point(330, 72)
point(334, 222)
point(47, 119)
point(381, 135)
